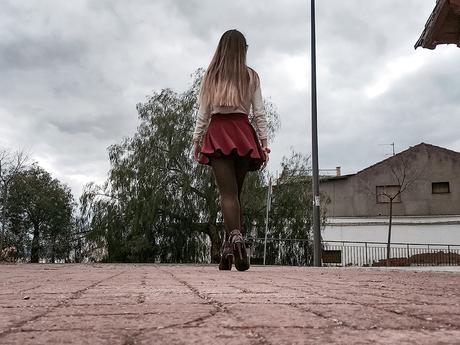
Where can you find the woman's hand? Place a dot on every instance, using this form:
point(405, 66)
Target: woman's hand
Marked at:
point(196, 150)
point(266, 152)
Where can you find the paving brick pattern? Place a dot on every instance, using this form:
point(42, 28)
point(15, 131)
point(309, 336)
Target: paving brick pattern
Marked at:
point(130, 304)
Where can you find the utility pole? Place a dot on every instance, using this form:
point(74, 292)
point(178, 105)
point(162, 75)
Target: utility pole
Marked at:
point(314, 137)
point(269, 202)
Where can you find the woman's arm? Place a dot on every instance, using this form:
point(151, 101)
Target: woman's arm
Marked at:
point(202, 123)
point(260, 115)
point(201, 126)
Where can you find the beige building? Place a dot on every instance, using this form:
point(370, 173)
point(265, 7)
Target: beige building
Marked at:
point(427, 178)
point(424, 183)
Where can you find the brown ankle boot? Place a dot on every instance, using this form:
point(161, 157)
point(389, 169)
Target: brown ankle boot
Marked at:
point(239, 250)
point(226, 257)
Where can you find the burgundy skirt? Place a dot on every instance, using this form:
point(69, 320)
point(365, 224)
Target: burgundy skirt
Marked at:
point(232, 134)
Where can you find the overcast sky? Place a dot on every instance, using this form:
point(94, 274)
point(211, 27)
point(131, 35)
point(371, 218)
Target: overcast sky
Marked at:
point(71, 73)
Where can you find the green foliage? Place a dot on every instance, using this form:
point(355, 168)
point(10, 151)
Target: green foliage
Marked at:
point(10, 165)
point(39, 212)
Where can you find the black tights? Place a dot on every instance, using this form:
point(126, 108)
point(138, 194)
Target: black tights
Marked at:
point(229, 172)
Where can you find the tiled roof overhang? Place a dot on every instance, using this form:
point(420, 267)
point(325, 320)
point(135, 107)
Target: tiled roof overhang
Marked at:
point(443, 26)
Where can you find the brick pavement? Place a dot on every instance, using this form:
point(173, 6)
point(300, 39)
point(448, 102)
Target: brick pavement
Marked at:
point(131, 304)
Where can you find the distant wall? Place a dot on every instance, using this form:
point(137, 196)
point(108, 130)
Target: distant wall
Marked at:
point(441, 230)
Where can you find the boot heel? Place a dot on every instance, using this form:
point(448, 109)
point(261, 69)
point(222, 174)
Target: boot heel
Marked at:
point(230, 260)
point(226, 258)
point(241, 257)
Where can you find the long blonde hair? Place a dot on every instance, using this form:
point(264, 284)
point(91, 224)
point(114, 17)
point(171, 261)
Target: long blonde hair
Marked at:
point(226, 81)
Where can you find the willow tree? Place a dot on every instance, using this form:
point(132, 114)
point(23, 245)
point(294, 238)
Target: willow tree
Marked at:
point(157, 202)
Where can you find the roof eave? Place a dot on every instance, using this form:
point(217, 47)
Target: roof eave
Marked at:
point(435, 25)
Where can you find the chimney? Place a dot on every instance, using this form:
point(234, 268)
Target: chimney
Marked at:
point(337, 171)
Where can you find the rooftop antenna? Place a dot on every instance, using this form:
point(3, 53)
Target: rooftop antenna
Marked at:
point(392, 144)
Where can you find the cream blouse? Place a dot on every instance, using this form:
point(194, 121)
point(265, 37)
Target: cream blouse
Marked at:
point(258, 111)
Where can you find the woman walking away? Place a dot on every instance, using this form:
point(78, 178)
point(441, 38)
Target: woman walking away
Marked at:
point(224, 138)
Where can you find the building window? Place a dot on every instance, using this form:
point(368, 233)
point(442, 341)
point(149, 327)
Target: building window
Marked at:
point(384, 193)
point(440, 187)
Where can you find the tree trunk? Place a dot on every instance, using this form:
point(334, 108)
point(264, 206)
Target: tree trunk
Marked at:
point(389, 232)
point(53, 256)
point(34, 255)
point(2, 220)
point(77, 250)
point(2, 236)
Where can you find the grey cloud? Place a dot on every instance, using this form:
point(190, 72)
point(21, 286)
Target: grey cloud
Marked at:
point(422, 107)
point(45, 52)
point(278, 25)
point(72, 72)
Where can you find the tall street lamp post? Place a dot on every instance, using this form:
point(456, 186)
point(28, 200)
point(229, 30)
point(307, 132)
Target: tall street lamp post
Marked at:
point(314, 137)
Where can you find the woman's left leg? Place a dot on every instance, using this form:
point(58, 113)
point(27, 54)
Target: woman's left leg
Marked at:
point(224, 173)
point(241, 169)
point(241, 257)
